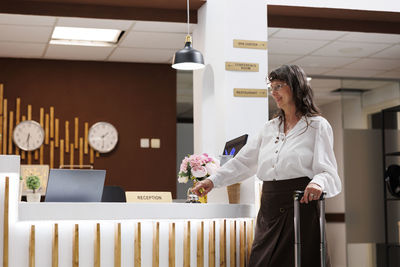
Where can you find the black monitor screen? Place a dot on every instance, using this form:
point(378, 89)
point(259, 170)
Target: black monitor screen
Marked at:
point(233, 146)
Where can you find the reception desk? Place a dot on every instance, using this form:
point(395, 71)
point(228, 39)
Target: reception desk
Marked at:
point(122, 234)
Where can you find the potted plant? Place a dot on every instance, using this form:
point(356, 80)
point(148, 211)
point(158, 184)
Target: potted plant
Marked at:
point(33, 182)
point(21, 187)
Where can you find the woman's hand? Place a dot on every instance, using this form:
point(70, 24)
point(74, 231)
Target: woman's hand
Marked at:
point(203, 187)
point(312, 192)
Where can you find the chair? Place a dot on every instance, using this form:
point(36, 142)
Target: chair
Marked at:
point(112, 193)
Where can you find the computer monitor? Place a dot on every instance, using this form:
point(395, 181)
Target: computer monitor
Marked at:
point(75, 185)
point(233, 146)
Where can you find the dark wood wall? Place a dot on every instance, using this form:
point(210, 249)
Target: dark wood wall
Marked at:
point(138, 99)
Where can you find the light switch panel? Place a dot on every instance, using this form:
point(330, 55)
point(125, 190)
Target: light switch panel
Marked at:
point(144, 142)
point(155, 143)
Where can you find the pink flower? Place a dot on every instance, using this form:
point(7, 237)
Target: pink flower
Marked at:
point(183, 179)
point(211, 168)
point(199, 171)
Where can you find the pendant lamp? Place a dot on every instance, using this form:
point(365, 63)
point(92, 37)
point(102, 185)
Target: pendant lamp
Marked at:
point(188, 58)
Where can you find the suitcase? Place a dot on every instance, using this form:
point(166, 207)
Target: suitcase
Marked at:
point(297, 242)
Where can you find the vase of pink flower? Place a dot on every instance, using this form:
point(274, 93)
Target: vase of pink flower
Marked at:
point(197, 168)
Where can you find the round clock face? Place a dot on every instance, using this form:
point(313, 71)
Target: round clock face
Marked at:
point(28, 135)
point(103, 137)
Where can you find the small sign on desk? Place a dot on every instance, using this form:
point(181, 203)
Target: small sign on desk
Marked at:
point(134, 196)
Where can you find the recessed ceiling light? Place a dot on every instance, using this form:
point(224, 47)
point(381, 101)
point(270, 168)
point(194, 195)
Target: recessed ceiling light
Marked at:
point(350, 50)
point(85, 36)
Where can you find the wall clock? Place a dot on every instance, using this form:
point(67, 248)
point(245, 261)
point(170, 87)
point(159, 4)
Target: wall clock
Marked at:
point(28, 135)
point(103, 137)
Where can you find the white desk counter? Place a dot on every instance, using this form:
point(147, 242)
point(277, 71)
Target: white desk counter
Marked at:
point(130, 211)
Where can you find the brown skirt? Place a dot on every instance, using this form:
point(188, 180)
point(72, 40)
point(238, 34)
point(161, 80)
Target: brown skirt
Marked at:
point(273, 244)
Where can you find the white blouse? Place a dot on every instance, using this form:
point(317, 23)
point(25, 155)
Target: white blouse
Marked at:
point(273, 156)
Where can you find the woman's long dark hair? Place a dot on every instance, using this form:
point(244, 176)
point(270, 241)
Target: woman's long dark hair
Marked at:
point(296, 79)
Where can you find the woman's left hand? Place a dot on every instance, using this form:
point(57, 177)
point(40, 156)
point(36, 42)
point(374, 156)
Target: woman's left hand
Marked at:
point(312, 192)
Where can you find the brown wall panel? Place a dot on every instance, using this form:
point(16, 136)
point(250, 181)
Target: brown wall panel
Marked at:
point(138, 99)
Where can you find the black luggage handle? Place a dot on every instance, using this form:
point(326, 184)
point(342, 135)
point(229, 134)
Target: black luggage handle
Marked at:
point(299, 194)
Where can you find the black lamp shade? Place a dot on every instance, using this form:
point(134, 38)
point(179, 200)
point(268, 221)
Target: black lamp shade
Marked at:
point(188, 58)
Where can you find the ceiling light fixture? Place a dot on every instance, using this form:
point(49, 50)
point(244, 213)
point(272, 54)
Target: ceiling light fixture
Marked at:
point(85, 36)
point(188, 58)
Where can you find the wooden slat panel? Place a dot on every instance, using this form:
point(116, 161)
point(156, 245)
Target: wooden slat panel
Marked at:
point(57, 132)
point(86, 137)
point(17, 118)
point(186, 246)
point(76, 140)
point(222, 244)
point(200, 244)
point(46, 128)
point(23, 154)
point(29, 114)
point(211, 245)
point(5, 126)
point(29, 154)
point(91, 156)
point(156, 244)
point(32, 247)
point(10, 133)
point(41, 117)
point(41, 156)
point(67, 136)
point(51, 154)
point(81, 152)
point(97, 154)
point(41, 149)
point(117, 246)
point(233, 244)
point(171, 242)
point(249, 237)
point(51, 122)
point(54, 258)
point(242, 242)
point(138, 245)
point(36, 154)
point(61, 152)
point(6, 219)
point(75, 247)
point(97, 243)
point(1, 117)
point(71, 155)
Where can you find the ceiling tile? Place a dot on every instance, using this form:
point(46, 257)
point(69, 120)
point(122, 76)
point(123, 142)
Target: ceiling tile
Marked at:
point(94, 23)
point(78, 52)
point(157, 26)
point(374, 64)
point(315, 70)
point(11, 19)
point(325, 84)
point(308, 34)
point(293, 47)
point(349, 49)
point(277, 60)
point(371, 37)
point(154, 40)
point(391, 53)
point(353, 73)
point(325, 62)
point(142, 55)
point(37, 34)
point(390, 74)
point(364, 84)
point(24, 50)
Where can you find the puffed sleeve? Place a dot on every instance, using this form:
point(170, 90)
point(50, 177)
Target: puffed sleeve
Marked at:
point(324, 162)
point(241, 167)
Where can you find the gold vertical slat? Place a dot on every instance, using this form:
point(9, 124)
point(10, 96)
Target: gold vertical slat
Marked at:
point(23, 153)
point(97, 246)
point(1, 117)
point(41, 152)
point(51, 154)
point(17, 118)
point(222, 243)
point(250, 237)
point(117, 246)
point(57, 132)
point(81, 152)
point(61, 152)
point(71, 155)
point(233, 244)
point(36, 154)
point(91, 155)
point(29, 154)
point(67, 136)
point(97, 154)
point(54, 257)
point(75, 247)
point(138, 245)
point(32, 247)
point(6, 219)
point(51, 122)
point(29, 114)
point(171, 245)
point(200, 244)
point(46, 128)
point(86, 137)
point(242, 243)
point(211, 245)
point(5, 126)
point(10, 132)
point(186, 246)
point(156, 244)
point(41, 117)
point(41, 149)
point(76, 140)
